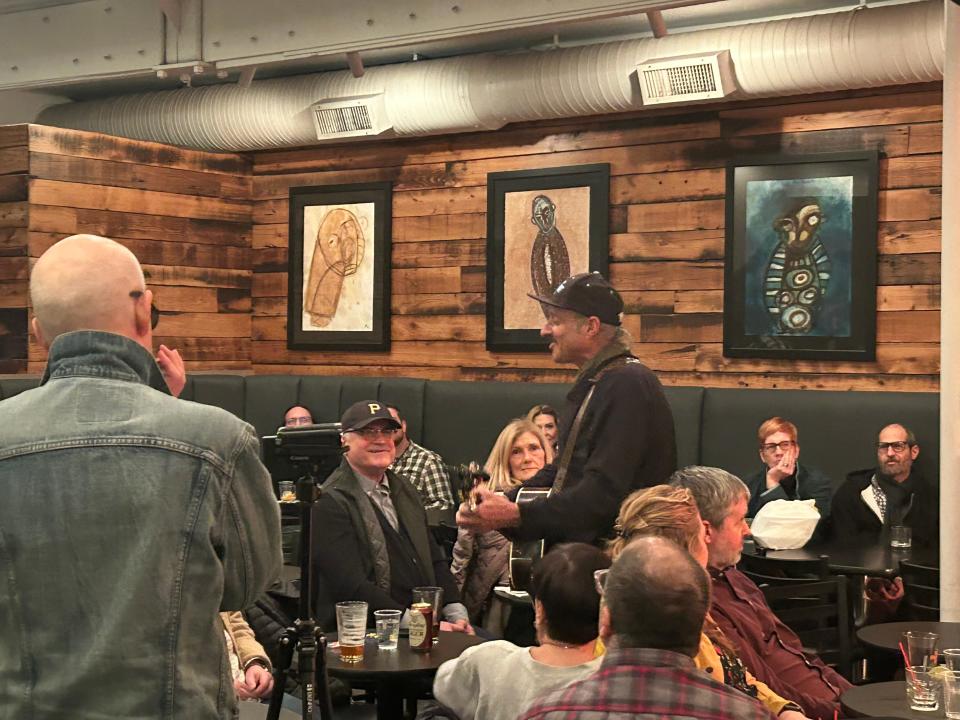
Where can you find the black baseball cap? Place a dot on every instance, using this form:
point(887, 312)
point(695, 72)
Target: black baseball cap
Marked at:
point(362, 413)
point(589, 294)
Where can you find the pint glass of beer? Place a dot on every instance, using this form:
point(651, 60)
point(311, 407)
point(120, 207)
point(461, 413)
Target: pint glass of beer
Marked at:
point(351, 629)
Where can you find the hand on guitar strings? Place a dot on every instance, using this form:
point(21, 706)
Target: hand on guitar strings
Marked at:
point(486, 510)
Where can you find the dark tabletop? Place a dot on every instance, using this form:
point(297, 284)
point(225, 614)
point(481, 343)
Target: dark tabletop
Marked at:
point(856, 558)
point(403, 662)
point(886, 636)
point(887, 699)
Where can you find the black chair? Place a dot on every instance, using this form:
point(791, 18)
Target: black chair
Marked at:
point(921, 591)
point(819, 612)
point(766, 570)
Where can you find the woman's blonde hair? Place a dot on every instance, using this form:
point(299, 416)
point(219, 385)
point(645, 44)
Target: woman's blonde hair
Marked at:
point(498, 463)
point(661, 510)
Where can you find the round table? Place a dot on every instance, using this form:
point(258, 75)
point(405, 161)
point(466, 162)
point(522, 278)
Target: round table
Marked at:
point(886, 699)
point(887, 636)
point(874, 559)
point(391, 670)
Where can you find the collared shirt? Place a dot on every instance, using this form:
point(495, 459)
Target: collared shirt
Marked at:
point(645, 683)
point(379, 494)
point(424, 468)
point(770, 649)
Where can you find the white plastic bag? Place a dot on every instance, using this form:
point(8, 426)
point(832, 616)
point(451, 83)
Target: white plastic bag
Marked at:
point(785, 524)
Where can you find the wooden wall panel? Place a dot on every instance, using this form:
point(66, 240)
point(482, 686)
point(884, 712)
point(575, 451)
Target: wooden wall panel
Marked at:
point(666, 246)
point(185, 214)
point(14, 265)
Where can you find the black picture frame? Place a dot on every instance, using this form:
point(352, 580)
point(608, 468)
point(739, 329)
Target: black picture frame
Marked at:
point(593, 233)
point(361, 317)
point(833, 201)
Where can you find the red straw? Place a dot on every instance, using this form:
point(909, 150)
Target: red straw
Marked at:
point(906, 662)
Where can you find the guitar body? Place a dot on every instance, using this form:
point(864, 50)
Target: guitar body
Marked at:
point(523, 553)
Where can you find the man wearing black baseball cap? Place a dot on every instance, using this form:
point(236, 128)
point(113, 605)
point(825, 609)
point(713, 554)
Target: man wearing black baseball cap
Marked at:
point(371, 540)
point(616, 431)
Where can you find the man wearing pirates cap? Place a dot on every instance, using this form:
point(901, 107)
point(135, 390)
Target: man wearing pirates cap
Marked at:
point(616, 431)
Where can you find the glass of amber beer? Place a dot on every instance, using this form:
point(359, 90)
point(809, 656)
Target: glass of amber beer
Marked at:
point(351, 629)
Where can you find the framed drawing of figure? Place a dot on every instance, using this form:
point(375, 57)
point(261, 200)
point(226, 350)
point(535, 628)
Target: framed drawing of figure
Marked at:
point(339, 279)
point(800, 278)
point(542, 227)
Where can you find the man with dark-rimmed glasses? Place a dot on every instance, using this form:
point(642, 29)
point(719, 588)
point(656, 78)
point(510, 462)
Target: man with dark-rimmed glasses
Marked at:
point(894, 493)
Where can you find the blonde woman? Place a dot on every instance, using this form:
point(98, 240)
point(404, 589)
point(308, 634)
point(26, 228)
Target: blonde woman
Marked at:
point(672, 513)
point(480, 560)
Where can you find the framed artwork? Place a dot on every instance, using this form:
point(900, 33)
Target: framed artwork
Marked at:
point(800, 275)
point(339, 281)
point(542, 227)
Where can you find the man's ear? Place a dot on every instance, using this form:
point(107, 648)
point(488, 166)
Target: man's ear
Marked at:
point(708, 532)
point(38, 333)
point(604, 627)
point(141, 314)
point(914, 451)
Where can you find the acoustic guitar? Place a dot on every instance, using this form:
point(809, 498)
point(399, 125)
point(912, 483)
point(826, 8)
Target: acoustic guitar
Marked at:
point(523, 553)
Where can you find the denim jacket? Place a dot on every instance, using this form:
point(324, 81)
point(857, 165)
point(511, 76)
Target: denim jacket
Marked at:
point(128, 519)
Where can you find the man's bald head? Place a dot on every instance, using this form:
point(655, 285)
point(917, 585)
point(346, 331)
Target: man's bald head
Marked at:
point(657, 596)
point(84, 283)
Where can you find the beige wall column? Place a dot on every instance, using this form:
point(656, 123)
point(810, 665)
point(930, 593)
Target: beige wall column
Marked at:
point(950, 327)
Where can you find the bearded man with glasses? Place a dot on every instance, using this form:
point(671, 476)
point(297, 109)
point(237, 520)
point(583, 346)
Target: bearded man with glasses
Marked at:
point(781, 476)
point(894, 493)
point(371, 540)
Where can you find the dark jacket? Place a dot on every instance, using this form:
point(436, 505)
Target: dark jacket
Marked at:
point(128, 519)
point(356, 560)
point(626, 442)
point(853, 519)
point(807, 483)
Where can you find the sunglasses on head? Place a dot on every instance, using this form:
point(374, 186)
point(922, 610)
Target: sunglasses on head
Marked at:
point(154, 312)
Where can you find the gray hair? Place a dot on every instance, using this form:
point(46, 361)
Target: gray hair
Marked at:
point(657, 596)
point(713, 489)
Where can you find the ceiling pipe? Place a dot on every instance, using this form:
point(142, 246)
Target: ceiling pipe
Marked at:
point(657, 25)
point(866, 47)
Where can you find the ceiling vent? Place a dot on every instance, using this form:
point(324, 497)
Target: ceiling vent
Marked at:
point(350, 116)
point(687, 78)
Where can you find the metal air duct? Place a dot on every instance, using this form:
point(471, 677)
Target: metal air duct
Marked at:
point(867, 47)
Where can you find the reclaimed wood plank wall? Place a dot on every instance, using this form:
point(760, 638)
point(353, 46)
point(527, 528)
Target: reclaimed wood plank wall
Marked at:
point(14, 266)
point(666, 242)
point(185, 214)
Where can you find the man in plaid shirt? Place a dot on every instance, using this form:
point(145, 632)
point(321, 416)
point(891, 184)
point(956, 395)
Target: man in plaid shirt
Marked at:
point(422, 467)
point(655, 599)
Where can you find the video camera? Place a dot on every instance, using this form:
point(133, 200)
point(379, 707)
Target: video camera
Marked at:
point(306, 450)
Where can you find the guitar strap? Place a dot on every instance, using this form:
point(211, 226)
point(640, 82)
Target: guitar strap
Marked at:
point(578, 420)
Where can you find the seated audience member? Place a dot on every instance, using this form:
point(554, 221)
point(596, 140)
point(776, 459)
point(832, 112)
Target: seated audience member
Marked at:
point(422, 467)
point(371, 540)
point(671, 512)
point(297, 415)
point(771, 650)
point(498, 680)
point(781, 476)
point(480, 560)
point(893, 493)
point(548, 420)
point(655, 597)
point(249, 663)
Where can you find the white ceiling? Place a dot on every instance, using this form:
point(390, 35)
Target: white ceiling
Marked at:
point(706, 14)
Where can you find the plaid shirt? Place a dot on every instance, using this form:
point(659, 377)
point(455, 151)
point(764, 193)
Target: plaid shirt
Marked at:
point(644, 683)
point(424, 469)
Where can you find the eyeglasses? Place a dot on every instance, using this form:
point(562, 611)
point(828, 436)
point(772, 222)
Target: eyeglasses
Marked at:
point(370, 433)
point(899, 446)
point(600, 579)
point(783, 445)
point(299, 420)
point(154, 312)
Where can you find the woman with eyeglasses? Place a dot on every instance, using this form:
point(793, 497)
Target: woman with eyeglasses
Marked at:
point(781, 476)
point(480, 560)
point(499, 680)
point(672, 513)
